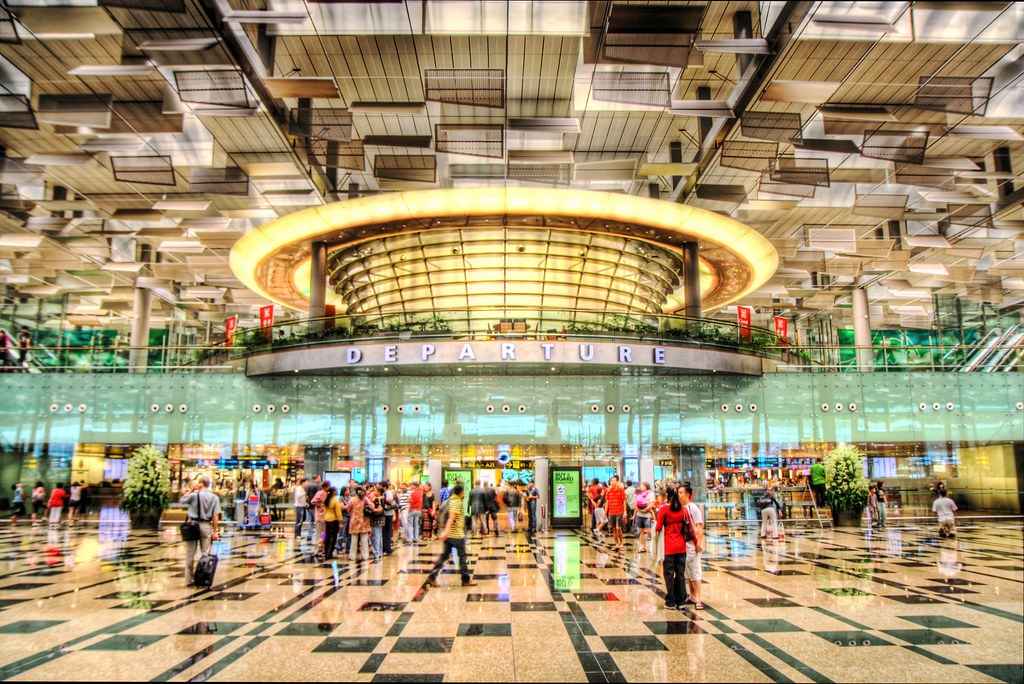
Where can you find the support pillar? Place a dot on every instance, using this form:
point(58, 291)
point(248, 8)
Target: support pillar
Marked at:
point(647, 470)
point(317, 284)
point(139, 353)
point(704, 123)
point(691, 279)
point(675, 155)
point(542, 477)
point(434, 467)
point(862, 330)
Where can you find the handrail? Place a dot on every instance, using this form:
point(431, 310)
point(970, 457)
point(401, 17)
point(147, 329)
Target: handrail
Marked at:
point(525, 323)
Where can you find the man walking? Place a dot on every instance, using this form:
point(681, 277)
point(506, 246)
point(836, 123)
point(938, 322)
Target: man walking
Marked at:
point(478, 508)
point(203, 507)
point(454, 537)
point(615, 508)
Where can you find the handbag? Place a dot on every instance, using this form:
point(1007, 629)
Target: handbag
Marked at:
point(190, 531)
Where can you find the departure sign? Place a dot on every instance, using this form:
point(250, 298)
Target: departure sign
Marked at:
point(566, 497)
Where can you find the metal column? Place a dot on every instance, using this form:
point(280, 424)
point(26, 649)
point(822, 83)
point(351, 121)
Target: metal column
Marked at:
point(862, 330)
point(691, 280)
point(138, 355)
point(317, 283)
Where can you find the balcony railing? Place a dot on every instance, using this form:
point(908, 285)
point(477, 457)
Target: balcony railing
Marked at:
point(1002, 352)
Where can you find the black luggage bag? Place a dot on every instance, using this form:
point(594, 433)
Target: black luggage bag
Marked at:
point(206, 568)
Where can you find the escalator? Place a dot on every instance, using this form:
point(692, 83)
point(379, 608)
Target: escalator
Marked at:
point(994, 350)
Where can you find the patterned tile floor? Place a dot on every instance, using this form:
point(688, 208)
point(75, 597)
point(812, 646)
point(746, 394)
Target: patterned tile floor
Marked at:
point(99, 603)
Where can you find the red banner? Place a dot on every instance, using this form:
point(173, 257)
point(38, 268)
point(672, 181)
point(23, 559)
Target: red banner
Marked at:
point(230, 323)
point(267, 321)
point(744, 314)
point(329, 313)
point(781, 327)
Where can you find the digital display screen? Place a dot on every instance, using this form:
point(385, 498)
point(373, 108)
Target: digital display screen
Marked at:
point(566, 494)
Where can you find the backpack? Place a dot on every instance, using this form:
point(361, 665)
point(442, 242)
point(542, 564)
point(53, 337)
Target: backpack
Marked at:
point(686, 528)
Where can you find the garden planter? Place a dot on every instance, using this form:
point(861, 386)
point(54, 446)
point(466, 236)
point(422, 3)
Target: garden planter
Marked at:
point(847, 518)
point(145, 520)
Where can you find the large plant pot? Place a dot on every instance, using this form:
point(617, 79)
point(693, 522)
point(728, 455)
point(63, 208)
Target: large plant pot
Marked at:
point(847, 518)
point(145, 520)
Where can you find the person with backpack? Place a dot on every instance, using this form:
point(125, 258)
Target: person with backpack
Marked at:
point(512, 500)
point(694, 569)
point(770, 507)
point(674, 520)
point(202, 508)
point(453, 534)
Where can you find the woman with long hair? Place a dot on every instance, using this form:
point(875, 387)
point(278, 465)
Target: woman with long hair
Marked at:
point(332, 522)
point(675, 521)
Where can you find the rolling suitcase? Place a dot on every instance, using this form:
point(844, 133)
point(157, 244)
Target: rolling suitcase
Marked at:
point(206, 568)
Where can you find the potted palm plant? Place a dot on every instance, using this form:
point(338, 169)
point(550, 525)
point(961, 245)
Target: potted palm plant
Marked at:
point(846, 489)
point(147, 487)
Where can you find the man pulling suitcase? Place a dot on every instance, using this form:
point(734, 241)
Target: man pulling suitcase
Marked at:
point(203, 511)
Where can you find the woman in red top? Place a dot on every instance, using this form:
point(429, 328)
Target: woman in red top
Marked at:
point(673, 518)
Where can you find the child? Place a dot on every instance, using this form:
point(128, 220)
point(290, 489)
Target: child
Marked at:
point(944, 508)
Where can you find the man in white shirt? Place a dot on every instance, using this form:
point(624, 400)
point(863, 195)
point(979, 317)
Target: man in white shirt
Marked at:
point(694, 571)
point(301, 503)
point(944, 509)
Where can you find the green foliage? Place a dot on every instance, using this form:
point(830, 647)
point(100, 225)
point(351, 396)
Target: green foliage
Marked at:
point(845, 486)
point(147, 487)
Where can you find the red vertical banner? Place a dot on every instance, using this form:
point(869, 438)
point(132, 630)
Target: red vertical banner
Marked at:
point(744, 314)
point(781, 327)
point(329, 313)
point(267, 321)
point(230, 323)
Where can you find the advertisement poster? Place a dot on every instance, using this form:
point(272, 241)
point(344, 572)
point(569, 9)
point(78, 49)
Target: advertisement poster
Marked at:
point(781, 327)
point(566, 497)
point(744, 316)
point(463, 475)
point(230, 323)
point(267, 321)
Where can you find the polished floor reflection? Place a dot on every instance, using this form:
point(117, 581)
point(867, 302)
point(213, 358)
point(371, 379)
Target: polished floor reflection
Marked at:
point(903, 605)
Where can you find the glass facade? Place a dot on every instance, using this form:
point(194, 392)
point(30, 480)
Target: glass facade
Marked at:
point(732, 433)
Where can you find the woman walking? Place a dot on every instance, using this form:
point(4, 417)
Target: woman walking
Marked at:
point(675, 521)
